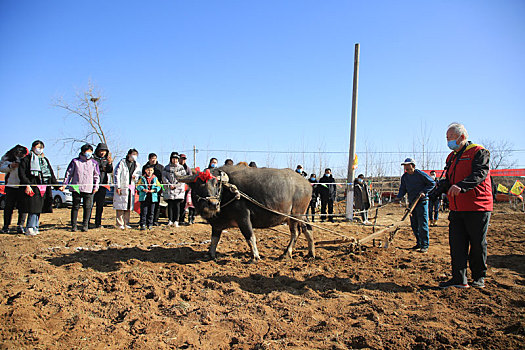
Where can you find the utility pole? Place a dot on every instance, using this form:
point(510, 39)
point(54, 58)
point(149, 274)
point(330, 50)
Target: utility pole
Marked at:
point(194, 156)
point(351, 155)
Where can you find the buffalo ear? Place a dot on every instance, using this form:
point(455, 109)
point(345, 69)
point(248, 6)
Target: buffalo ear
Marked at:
point(223, 177)
point(186, 179)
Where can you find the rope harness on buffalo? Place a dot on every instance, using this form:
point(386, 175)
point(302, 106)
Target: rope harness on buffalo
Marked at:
point(250, 199)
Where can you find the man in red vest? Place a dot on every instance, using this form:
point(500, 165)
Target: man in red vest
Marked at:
point(470, 197)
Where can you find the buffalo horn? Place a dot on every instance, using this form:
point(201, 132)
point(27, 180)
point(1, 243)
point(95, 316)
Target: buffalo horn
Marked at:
point(186, 179)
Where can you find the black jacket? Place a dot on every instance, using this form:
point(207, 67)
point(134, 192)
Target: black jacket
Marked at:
point(327, 191)
point(103, 164)
point(315, 191)
point(362, 196)
point(37, 203)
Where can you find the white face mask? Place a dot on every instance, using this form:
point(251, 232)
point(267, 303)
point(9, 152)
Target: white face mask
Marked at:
point(38, 151)
point(134, 157)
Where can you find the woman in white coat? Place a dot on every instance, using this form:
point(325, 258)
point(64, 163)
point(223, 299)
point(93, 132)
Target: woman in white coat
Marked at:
point(175, 191)
point(126, 173)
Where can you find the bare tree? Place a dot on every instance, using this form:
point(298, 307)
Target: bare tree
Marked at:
point(86, 108)
point(501, 152)
point(424, 148)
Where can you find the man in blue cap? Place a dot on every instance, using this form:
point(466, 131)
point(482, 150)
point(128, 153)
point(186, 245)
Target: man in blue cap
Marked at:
point(413, 183)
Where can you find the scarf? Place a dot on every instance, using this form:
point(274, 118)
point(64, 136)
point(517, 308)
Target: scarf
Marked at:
point(39, 166)
point(35, 165)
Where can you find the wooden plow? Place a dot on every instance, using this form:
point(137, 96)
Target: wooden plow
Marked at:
point(385, 236)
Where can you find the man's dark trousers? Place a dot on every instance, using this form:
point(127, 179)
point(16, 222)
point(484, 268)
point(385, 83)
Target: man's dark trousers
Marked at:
point(330, 203)
point(100, 201)
point(419, 223)
point(468, 228)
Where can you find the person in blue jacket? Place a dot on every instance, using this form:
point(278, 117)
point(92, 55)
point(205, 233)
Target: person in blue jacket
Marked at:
point(148, 187)
point(413, 183)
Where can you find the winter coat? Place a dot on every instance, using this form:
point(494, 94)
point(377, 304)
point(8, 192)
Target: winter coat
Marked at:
point(104, 166)
point(142, 184)
point(11, 177)
point(37, 203)
point(123, 179)
point(169, 177)
point(84, 172)
point(315, 190)
point(362, 197)
point(327, 192)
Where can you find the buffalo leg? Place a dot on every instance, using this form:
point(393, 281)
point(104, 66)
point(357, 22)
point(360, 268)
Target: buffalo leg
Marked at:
point(247, 231)
point(295, 231)
point(215, 238)
point(307, 230)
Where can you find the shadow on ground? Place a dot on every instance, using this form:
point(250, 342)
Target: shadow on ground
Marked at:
point(109, 259)
point(513, 262)
point(259, 284)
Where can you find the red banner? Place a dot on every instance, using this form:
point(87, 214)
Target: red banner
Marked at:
point(494, 172)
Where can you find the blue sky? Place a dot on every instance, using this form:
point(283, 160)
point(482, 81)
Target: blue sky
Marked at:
point(274, 76)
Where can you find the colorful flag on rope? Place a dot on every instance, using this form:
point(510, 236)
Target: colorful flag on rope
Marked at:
point(2, 189)
point(354, 166)
point(42, 189)
point(106, 187)
point(502, 189)
point(76, 188)
point(517, 188)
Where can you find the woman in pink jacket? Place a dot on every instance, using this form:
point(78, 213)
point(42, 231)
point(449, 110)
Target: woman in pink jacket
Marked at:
point(83, 178)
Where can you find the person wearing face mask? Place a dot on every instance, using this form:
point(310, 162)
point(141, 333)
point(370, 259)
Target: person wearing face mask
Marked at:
point(327, 192)
point(471, 203)
point(13, 193)
point(299, 170)
point(362, 197)
point(174, 191)
point(433, 204)
point(83, 178)
point(315, 195)
point(105, 165)
point(213, 163)
point(35, 169)
point(126, 175)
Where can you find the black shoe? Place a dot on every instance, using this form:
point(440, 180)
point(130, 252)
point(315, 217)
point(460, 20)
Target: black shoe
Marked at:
point(479, 283)
point(84, 229)
point(150, 227)
point(5, 230)
point(156, 224)
point(423, 250)
point(452, 283)
point(98, 225)
point(142, 228)
point(416, 247)
point(74, 229)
